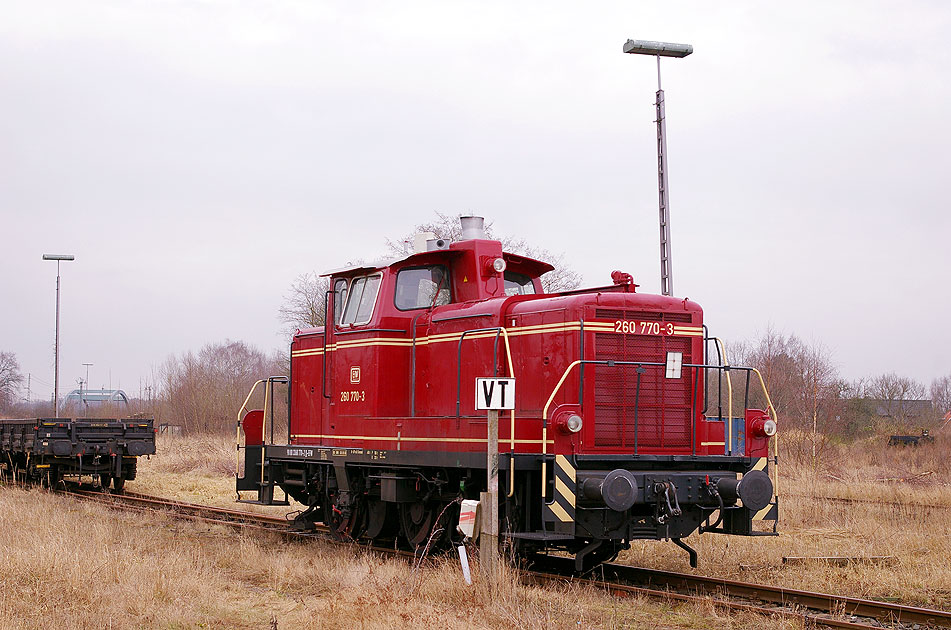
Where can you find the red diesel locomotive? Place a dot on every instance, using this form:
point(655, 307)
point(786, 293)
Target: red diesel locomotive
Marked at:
point(623, 428)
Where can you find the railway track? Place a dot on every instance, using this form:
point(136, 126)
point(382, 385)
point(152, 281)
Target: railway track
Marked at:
point(617, 577)
point(874, 502)
point(188, 511)
point(823, 609)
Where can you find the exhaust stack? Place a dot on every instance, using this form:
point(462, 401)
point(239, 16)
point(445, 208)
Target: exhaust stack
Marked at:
point(472, 227)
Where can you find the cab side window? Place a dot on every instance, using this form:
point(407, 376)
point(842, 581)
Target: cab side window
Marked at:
point(340, 299)
point(359, 299)
point(422, 287)
point(518, 284)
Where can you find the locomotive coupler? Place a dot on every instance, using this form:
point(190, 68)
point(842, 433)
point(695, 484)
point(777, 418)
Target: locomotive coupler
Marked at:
point(304, 521)
point(711, 489)
point(665, 507)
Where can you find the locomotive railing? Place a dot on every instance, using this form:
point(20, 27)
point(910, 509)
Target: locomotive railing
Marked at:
point(499, 331)
point(724, 369)
point(268, 406)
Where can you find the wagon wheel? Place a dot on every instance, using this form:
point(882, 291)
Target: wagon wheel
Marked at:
point(104, 480)
point(417, 521)
point(118, 483)
point(52, 477)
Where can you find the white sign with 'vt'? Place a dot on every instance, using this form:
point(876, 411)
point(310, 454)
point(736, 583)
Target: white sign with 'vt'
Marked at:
point(495, 393)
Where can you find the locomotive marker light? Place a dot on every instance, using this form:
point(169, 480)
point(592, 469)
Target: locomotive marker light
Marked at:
point(492, 394)
point(58, 258)
point(661, 49)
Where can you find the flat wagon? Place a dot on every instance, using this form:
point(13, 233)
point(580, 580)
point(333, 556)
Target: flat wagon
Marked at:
point(49, 449)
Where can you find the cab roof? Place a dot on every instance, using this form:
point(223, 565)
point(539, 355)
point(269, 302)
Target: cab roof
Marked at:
point(529, 265)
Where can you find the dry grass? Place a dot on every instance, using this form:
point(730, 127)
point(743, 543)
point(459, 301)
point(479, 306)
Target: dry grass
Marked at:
point(82, 566)
point(895, 485)
point(810, 526)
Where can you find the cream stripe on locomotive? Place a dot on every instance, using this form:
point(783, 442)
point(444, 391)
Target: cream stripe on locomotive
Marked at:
point(403, 438)
point(562, 506)
point(689, 331)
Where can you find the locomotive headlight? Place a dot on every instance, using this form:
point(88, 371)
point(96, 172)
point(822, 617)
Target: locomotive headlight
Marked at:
point(574, 423)
point(764, 427)
point(498, 265)
point(570, 423)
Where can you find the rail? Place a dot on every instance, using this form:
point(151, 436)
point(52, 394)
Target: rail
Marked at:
point(614, 576)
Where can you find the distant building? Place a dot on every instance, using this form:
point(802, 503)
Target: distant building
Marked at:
point(902, 409)
point(91, 398)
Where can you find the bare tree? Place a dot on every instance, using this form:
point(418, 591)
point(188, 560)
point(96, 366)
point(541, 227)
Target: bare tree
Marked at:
point(895, 394)
point(203, 392)
point(303, 306)
point(818, 378)
point(803, 384)
point(941, 394)
point(562, 278)
point(10, 379)
point(448, 226)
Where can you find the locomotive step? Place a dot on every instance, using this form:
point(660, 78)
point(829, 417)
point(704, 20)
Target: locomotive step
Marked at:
point(538, 536)
point(256, 502)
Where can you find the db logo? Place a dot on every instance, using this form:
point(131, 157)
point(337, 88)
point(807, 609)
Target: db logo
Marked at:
point(355, 374)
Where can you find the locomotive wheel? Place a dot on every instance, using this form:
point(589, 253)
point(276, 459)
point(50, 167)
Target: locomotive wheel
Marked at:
point(379, 519)
point(417, 522)
point(346, 523)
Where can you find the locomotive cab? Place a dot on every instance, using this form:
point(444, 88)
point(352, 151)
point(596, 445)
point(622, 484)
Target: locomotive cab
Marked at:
point(623, 427)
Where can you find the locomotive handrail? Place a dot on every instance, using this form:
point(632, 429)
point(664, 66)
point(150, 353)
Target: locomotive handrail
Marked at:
point(268, 398)
point(729, 398)
point(237, 438)
point(722, 349)
point(769, 404)
point(499, 330)
point(725, 368)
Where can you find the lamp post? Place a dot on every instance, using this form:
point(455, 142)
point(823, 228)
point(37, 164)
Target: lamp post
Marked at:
point(58, 258)
point(85, 398)
point(661, 49)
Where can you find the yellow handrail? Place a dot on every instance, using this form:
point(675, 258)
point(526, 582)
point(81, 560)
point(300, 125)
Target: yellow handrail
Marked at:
point(551, 398)
point(770, 407)
point(508, 356)
point(729, 389)
point(772, 410)
point(267, 397)
point(237, 454)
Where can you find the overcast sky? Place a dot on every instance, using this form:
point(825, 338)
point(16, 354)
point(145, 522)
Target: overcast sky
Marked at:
point(196, 157)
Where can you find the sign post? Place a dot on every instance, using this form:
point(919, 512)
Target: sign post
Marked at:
point(492, 394)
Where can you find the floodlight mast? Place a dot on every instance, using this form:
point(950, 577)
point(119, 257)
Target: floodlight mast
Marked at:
point(661, 49)
point(58, 258)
